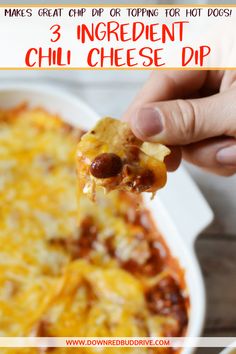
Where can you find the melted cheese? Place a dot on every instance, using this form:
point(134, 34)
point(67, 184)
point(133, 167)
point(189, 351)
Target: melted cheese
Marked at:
point(40, 283)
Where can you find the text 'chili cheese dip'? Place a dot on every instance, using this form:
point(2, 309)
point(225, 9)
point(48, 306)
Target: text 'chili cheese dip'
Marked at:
point(111, 157)
point(110, 275)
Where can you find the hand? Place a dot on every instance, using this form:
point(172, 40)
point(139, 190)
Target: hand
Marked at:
point(193, 112)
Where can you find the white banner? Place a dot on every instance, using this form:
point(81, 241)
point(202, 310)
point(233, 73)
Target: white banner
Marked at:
point(117, 37)
point(177, 342)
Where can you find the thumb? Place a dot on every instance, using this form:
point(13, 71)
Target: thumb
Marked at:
point(181, 122)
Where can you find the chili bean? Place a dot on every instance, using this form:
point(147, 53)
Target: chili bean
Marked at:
point(106, 165)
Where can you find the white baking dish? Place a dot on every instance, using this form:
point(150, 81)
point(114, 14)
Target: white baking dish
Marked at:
point(179, 210)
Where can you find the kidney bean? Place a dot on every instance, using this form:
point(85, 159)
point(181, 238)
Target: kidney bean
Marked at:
point(106, 165)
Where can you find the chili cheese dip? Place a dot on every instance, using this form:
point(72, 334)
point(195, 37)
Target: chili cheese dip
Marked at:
point(111, 157)
point(108, 274)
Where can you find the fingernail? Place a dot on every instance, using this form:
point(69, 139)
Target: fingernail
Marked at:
point(148, 122)
point(227, 155)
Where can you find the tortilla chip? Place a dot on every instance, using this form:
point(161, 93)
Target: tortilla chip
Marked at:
point(143, 168)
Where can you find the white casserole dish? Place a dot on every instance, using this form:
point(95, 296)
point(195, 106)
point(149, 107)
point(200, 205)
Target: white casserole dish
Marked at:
point(179, 210)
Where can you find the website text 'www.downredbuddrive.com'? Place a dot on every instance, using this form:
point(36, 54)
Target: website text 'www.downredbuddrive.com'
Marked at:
point(119, 342)
point(146, 342)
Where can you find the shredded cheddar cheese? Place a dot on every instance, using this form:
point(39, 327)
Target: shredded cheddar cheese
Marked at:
point(62, 278)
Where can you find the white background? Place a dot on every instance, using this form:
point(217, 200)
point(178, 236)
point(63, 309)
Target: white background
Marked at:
point(19, 34)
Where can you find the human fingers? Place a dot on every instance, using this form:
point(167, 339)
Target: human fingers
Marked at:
point(167, 85)
point(217, 155)
point(182, 122)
